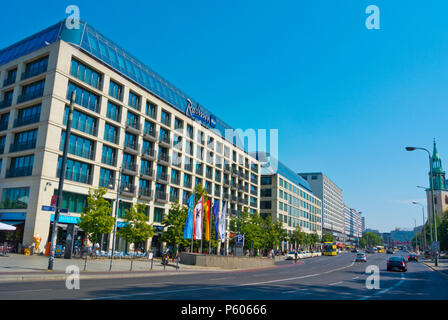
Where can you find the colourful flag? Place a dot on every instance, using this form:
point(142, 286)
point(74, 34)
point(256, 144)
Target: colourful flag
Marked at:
point(197, 231)
point(222, 222)
point(215, 210)
point(207, 220)
point(188, 229)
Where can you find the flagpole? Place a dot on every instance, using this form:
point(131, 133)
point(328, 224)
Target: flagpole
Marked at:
point(209, 228)
point(202, 220)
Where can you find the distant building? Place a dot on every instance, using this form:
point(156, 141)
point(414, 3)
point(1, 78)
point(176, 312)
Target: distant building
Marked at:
point(401, 236)
point(332, 204)
point(439, 183)
point(352, 225)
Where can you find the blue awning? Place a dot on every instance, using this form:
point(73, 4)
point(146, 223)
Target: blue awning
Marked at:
point(12, 216)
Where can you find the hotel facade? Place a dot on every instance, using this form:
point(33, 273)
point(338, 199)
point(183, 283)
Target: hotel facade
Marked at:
point(128, 123)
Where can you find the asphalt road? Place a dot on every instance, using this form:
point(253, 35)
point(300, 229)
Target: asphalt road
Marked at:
point(333, 278)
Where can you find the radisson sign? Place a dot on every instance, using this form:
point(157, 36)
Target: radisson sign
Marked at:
point(197, 114)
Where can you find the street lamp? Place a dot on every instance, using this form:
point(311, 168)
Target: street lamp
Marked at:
point(61, 180)
point(117, 204)
point(432, 193)
point(423, 238)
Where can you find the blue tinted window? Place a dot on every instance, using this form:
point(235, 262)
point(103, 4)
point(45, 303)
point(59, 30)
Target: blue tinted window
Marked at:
point(83, 97)
point(86, 74)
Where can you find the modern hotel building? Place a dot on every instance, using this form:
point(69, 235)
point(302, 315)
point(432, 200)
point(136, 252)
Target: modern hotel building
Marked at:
point(288, 198)
point(126, 117)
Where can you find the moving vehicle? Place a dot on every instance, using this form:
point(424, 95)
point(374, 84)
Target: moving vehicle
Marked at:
point(389, 251)
point(397, 262)
point(330, 249)
point(380, 249)
point(413, 257)
point(361, 257)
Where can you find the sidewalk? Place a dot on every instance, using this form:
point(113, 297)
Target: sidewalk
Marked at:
point(16, 267)
point(441, 268)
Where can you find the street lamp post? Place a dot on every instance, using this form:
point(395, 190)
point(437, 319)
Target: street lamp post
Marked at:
point(432, 193)
point(117, 204)
point(61, 181)
point(423, 238)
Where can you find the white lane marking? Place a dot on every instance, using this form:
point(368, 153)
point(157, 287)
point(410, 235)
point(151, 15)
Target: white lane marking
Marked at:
point(221, 278)
point(218, 287)
point(385, 290)
point(335, 283)
point(151, 283)
point(292, 291)
point(31, 290)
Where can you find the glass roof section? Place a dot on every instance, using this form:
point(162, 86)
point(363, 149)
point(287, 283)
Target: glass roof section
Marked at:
point(95, 43)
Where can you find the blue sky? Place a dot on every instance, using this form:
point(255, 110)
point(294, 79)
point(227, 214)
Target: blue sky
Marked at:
point(346, 100)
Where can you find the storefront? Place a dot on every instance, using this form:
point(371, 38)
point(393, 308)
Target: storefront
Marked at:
point(64, 225)
point(13, 239)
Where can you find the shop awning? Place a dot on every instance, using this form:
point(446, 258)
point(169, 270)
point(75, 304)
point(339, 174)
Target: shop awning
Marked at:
point(6, 227)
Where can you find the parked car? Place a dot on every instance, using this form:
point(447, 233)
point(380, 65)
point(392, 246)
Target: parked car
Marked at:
point(361, 257)
point(397, 262)
point(413, 257)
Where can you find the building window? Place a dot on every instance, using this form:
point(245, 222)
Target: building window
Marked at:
point(73, 202)
point(85, 74)
point(266, 181)
point(158, 214)
point(78, 146)
point(265, 204)
point(24, 141)
point(110, 133)
point(4, 120)
point(81, 122)
point(106, 178)
point(109, 155)
point(21, 166)
point(123, 207)
point(28, 115)
point(32, 91)
point(76, 171)
point(113, 111)
point(190, 132)
point(166, 118)
point(15, 198)
point(35, 67)
point(134, 100)
point(84, 97)
point(115, 90)
point(151, 110)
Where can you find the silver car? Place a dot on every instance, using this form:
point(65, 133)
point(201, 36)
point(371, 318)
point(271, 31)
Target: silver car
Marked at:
point(361, 257)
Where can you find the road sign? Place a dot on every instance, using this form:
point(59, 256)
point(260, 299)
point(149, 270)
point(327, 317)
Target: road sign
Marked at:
point(435, 246)
point(239, 240)
point(53, 200)
point(47, 208)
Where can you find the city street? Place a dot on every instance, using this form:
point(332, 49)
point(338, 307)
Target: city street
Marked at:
point(334, 278)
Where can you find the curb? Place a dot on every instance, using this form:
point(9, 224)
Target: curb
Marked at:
point(438, 271)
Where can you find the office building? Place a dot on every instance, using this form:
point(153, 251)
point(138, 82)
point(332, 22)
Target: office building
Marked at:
point(332, 203)
point(352, 226)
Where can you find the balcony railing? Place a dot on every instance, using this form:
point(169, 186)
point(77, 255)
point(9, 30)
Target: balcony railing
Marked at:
point(175, 180)
point(5, 103)
point(29, 96)
point(132, 145)
point(253, 204)
point(9, 81)
point(164, 156)
point(76, 176)
point(188, 167)
point(174, 197)
point(131, 166)
point(187, 184)
point(165, 139)
point(133, 125)
point(20, 146)
point(145, 171)
point(209, 175)
point(162, 176)
point(34, 72)
point(226, 196)
point(254, 180)
point(110, 160)
point(149, 152)
point(234, 197)
point(26, 120)
point(109, 136)
point(150, 132)
point(145, 193)
point(160, 196)
point(20, 172)
point(127, 188)
point(253, 192)
point(226, 182)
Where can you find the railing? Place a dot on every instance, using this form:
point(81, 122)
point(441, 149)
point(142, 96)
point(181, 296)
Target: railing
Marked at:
point(188, 167)
point(26, 120)
point(151, 132)
point(253, 192)
point(234, 197)
point(76, 176)
point(29, 96)
point(14, 147)
point(187, 184)
point(147, 171)
point(226, 196)
point(209, 175)
point(164, 139)
point(253, 204)
point(133, 124)
point(174, 197)
point(148, 152)
point(162, 176)
point(145, 192)
point(110, 160)
point(175, 180)
point(160, 195)
point(22, 172)
point(199, 170)
point(108, 136)
point(164, 157)
point(132, 145)
point(254, 180)
point(34, 72)
point(226, 182)
point(131, 166)
point(9, 81)
point(127, 188)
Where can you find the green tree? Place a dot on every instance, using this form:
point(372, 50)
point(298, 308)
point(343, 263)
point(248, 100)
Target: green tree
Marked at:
point(327, 237)
point(249, 225)
point(370, 239)
point(96, 218)
point(174, 223)
point(136, 228)
point(443, 231)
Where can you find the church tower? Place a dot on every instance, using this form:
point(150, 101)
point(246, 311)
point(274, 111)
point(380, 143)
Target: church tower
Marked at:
point(438, 175)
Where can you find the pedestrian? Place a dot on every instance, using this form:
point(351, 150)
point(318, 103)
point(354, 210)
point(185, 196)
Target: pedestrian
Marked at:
point(295, 257)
